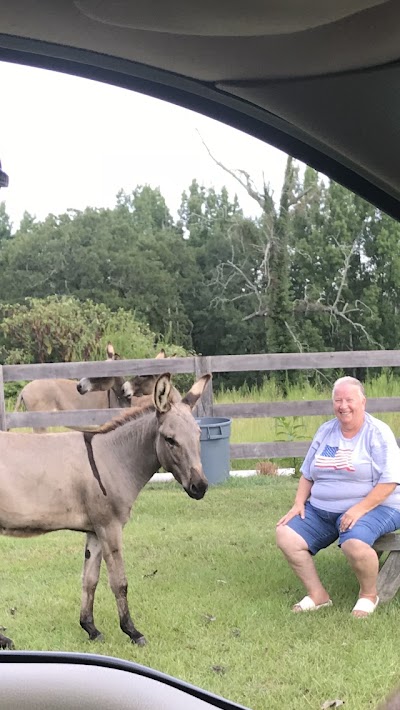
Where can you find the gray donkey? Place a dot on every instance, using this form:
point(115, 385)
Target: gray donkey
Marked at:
point(88, 481)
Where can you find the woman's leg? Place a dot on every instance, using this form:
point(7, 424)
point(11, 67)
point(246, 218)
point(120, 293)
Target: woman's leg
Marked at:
point(296, 551)
point(357, 547)
point(365, 565)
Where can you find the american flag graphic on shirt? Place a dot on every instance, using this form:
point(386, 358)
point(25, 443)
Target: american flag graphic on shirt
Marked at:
point(336, 458)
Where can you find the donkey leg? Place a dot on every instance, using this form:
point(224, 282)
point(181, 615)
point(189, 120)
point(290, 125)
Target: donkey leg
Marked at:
point(5, 642)
point(112, 553)
point(90, 577)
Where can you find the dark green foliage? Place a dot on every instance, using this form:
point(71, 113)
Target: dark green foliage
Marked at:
point(320, 270)
point(5, 225)
point(63, 329)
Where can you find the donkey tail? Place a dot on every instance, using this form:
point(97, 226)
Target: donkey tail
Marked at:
point(20, 400)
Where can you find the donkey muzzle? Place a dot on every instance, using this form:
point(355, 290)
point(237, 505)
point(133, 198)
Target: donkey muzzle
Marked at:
point(197, 485)
point(83, 385)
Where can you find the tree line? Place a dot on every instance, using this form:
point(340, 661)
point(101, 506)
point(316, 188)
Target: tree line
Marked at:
point(318, 270)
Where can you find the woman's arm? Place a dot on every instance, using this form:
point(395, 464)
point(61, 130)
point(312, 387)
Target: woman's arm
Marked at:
point(302, 495)
point(375, 497)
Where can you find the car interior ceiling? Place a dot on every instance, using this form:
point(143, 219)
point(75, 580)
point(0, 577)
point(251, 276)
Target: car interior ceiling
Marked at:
point(64, 681)
point(320, 81)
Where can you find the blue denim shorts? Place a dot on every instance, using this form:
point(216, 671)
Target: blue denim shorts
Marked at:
point(320, 527)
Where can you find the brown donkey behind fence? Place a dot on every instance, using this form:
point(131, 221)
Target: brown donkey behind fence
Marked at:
point(89, 481)
point(60, 395)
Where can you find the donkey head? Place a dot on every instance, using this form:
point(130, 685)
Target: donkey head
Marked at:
point(178, 438)
point(105, 384)
point(141, 385)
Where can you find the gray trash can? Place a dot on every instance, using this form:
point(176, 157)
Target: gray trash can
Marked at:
point(214, 447)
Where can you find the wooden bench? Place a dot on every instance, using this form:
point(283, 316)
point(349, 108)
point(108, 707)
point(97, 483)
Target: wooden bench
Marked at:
point(389, 574)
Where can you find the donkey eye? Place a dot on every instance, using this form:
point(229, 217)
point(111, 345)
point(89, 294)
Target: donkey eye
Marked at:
point(170, 441)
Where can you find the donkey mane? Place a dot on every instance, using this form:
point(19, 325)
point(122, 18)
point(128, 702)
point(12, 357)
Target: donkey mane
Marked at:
point(132, 413)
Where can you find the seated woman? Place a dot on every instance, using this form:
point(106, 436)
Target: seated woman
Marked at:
point(348, 491)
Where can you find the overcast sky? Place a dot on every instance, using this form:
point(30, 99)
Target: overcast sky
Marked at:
point(67, 142)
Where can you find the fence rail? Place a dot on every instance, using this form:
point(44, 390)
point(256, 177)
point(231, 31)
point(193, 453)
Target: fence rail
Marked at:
point(197, 366)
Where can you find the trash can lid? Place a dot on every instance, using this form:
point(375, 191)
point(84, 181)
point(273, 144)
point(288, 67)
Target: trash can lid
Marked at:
point(210, 421)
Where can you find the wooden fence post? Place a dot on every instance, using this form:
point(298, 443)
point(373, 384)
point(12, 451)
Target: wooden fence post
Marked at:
point(204, 407)
point(3, 426)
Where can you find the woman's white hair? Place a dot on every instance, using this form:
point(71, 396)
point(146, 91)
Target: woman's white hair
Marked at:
point(348, 381)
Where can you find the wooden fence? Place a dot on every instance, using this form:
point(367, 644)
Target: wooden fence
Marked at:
point(198, 366)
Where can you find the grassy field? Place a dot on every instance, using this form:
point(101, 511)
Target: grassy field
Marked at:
point(212, 594)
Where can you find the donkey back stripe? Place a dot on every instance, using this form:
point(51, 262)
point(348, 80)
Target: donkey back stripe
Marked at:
point(88, 436)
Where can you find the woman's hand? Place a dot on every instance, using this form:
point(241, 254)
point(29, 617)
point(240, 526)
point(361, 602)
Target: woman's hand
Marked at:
point(374, 498)
point(350, 517)
point(296, 509)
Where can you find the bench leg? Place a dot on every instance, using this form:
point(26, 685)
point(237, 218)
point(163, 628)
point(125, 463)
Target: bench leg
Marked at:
point(389, 577)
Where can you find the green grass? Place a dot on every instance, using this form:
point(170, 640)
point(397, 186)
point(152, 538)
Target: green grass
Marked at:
point(212, 594)
point(209, 589)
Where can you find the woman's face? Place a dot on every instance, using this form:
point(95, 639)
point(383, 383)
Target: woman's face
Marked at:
point(349, 406)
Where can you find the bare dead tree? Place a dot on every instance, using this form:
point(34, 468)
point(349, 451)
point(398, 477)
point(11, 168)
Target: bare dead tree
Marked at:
point(256, 288)
point(243, 178)
point(339, 309)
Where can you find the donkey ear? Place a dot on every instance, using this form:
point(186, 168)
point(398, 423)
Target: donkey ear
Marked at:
point(162, 390)
point(110, 351)
point(196, 391)
point(161, 354)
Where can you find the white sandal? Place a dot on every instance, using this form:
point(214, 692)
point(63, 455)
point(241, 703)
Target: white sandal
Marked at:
point(307, 604)
point(367, 606)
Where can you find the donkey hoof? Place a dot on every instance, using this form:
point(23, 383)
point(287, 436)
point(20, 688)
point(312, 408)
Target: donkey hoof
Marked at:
point(140, 641)
point(98, 636)
point(6, 643)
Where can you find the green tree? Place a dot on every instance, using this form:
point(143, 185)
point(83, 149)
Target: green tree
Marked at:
point(27, 223)
point(382, 269)
point(148, 209)
point(307, 268)
point(279, 309)
point(338, 298)
point(215, 227)
point(5, 225)
point(63, 329)
point(103, 255)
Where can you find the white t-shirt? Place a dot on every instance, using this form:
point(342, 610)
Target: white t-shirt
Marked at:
point(344, 470)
